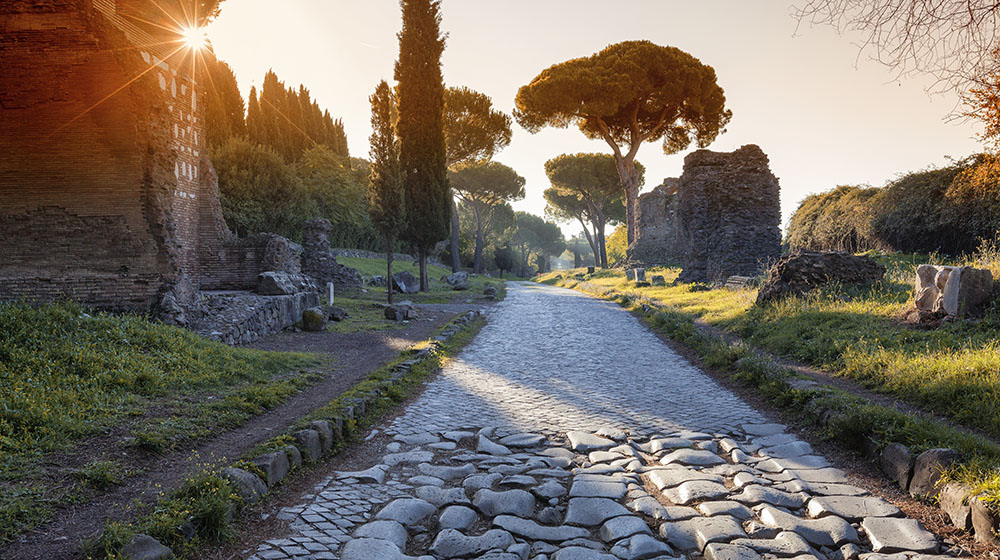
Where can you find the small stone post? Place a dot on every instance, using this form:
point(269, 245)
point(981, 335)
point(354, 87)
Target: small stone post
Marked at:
point(329, 287)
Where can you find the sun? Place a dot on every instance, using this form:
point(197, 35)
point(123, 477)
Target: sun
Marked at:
point(194, 38)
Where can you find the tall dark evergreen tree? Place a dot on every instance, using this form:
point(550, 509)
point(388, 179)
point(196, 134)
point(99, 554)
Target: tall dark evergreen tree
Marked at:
point(224, 108)
point(421, 128)
point(385, 187)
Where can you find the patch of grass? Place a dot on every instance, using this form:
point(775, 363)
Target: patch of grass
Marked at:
point(102, 473)
point(21, 508)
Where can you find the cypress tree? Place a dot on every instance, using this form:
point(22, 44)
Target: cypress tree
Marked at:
point(385, 186)
point(421, 128)
point(254, 118)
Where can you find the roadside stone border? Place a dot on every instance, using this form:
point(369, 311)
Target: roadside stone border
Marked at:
point(318, 438)
point(919, 475)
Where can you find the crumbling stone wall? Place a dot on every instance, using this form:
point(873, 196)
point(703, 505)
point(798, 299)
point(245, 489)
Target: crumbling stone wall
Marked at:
point(319, 262)
point(656, 239)
point(721, 218)
point(106, 193)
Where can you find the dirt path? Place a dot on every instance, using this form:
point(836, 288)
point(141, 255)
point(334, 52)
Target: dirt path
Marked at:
point(354, 356)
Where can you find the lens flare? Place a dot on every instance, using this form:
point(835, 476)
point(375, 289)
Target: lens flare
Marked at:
point(194, 38)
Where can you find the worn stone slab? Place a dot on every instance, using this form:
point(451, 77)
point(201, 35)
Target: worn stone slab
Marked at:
point(514, 502)
point(595, 489)
point(531, 530)
point(591, 512)
point(851, 508)
point(827, 475)
point(725, 507)
point(803, 462)
point(416, 456)
point(784, 544)
point(408, 511)
point(755, 494)
point(773, 440)
point(890, 534)
point(457, 517)
point(517, 480)
point(828, 531)
point(660, 444)
point(694, 534)
point(549, 489)
point(371, 549)
point(669, 478)
point(581, 553)
point(489, 447)
point(796, 448)
point(585, 442)
point(442, 497)
point(821, 488)
point(417, 439)
point(604, 456)
point(480, 481)
point(424, 480)
point(641, 547)
point(385, 529)
point(723, 551)
point(457, 436)
point(763, 429)
point(695, 490)
point(445, 472)
point(522, 440)
point(451, 543)
point(618, 528)
point(743, 479)
point(696, 457)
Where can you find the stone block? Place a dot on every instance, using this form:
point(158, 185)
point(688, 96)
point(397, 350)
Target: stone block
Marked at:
point(927, 470)
point(275, 466)
point(954, 500)
point(803, 271)
point(309, 444)
point(889, 535)
point(405, 283)
point(325, 431)
point(273, 283)
point(294, 456)
point(953, 291)
point(145, 547)
point(985, 523)
point(247, 485)
point(313, 319)
point(897, 464)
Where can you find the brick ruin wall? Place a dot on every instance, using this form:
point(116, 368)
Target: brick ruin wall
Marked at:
point(107, 195)
point(720, 218)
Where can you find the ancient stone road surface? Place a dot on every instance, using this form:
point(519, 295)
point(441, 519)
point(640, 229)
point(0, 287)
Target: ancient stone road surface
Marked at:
point(566, 431)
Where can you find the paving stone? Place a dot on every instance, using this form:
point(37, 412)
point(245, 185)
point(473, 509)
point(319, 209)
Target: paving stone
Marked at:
point(517, 480)
point(611, 432)
point(529, 529)
point(385, 529)
point(851, 508)
point(827, 475)
point(585, 442)
point(763, 429)
point(457, 517)
point(591, 512)
point(723, 551)
point(784, 544)
point(793, 463)
point(549, 489)
point(828, 531)
point(744, 478)
point(375, 474)
point(821, 488)
point(417, 439)
point(480, 481)
point(640, 547)
point(698, 457)
point(694, 534)
point(669, 478)
point(729, 470)
point(755, 494)
point(581, 553)
point(368, 549)
point(441, 496)
point(446, 473)
point(451, 543)
point(521, 550)
point(408, 511)
point(424, 480)
point(594, 489)
point(790, 449)
point(889, 534)
point(618, 528)
point(773, 440)
point(550, 515)
point(649, 506)
point(457, 436)
point(604, 456)
point(514, 502)
point(416, 456)
point(668, 443)
point(522, 440)
point(695, 490)
point(443, 445)
point(488, 446)
point(725, 507)
point(557, 452)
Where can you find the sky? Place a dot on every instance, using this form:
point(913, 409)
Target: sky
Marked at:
point(825, 115)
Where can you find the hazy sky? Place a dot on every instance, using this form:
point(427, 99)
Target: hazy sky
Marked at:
point(824, 116)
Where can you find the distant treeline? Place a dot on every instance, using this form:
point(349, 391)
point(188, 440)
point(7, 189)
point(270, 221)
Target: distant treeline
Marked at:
point(949, 210)
point(282, 160)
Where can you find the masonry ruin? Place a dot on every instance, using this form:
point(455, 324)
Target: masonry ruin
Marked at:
point(720, 218)
point(107, 195)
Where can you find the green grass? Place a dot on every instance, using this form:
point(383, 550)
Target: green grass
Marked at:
point(67, 373)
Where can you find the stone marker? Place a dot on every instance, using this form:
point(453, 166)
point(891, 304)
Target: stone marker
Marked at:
point(954, 291)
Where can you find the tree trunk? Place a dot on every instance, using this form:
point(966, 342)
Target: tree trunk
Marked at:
point(629, 177)
point(604, 248)
point(477, 261)
point(388, 270)
point(456, 261)
point(422, 256)
point(524, 262)
point(593, 243)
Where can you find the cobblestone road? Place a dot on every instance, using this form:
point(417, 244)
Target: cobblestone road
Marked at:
point(566, 430)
